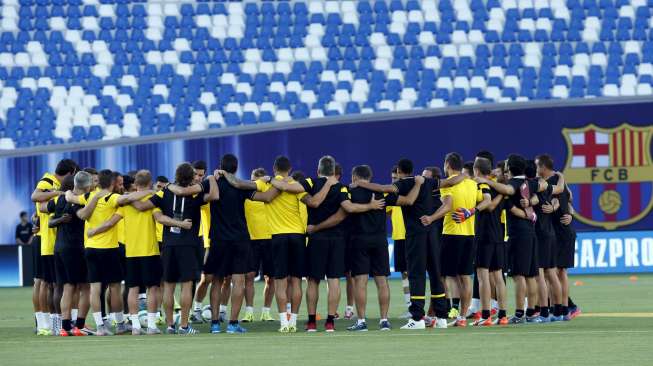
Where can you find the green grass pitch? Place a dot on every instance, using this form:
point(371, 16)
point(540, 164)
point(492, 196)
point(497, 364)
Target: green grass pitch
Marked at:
point(616, 327)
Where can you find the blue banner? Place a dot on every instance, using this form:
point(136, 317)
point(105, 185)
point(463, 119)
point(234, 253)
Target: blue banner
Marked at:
point(614, 252)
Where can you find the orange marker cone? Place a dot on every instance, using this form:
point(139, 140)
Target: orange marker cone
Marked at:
point(633, 278)
point(579, 283)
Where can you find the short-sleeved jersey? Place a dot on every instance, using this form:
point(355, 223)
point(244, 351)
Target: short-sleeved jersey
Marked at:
point(517, 225)
point(337, 194)
point(544, 223)
point(159, 232)
point(488, 223)
point(140, 231)
point(24, 232)
point(423, 205)
point(228, 213)
point(69, 235)
point(48, 236)
point(180, 208)
point(106, 207)
point(205, 227)
point(256, 215)
point(48, 242)
point(372, 222)
point(464, 194)
point(397, 221)
point(285, 212)
point(120, 231)
point(564, 199)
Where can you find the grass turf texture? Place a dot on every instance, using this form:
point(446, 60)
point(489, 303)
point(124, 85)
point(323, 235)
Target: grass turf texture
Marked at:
point(616, 328)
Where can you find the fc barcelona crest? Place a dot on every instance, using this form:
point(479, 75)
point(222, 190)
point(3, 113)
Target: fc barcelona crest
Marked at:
point(610, 174)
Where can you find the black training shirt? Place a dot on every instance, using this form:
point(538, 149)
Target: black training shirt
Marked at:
point(488, 227)
point(24, 232)
point(372, 222)
point(181, 208)
point(424, 204)
point(516, 224)
point(338, 193)
point(228, 213)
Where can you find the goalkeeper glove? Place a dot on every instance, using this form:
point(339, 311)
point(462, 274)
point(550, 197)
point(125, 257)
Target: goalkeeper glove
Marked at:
point(462, 214)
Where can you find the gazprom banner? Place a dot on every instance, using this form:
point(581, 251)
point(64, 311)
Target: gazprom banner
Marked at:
point(614, 252)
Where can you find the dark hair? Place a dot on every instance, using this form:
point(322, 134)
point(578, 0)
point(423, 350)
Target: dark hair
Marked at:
point(362, 172)
point(184, 174)
point(435, 171)
point(483, 166)
point(66, 166)
point(327, 166)
point(531, 169)
point(200, 164)
point(229, 163)
point(91, 171)
point(545, 160)
point(298, 175)
point(68, 183)
point(143, 178)
point(516, 164)
point(337, 171)
point(405, 166)
point(132, 173)
point(282, 164)
point(127, 181)
point(117, 174)
point(162, 179)
point(469, 165)
point(23, 213)
point(486, 155)
point(106, 178)
point(259, 172)
point(454, 160)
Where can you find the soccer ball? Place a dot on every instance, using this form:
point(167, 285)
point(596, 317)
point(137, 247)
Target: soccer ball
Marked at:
point(142, 318)
point(206, 313)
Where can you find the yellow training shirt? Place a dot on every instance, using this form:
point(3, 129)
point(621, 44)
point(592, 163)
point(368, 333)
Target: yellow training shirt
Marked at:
point(105, 208)
point(286, 213)
point(397, 220)
point(256, 215)
point(48, 236)
point(140, 231)
point(464, 194)
point(205, 224)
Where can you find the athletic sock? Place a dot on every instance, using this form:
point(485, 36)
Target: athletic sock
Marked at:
point(97, 317)
point(530, 312)
point(39, 320)
point(66, 324)
point(502, 314)
point(475, 306)
point(233, 322)
point(151, 320)
point(331, 318)
point(249, 309)
point(213, 322)
point(293, 319)
point(47, 324)
point(118, 317)
point(570, 303)
point(80, 323)
point(519, 313)
point(288, 307)
point(565, 310)
point(495, 304)
point(283, 319)
point(265, 310)
point(456, 303)
point(407, 299)
point(544, 311)
point(311, 318)
point(136, 323)
point(557, 309)
point(197, 305)
point(383, 320)
point(537, 309)
point(486, 314)
point(73, 314)
point(360, 321)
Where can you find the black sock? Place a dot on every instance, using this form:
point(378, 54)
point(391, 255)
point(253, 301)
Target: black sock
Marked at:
point(519, 313)
point(565, 310)
point(570, 303)
point(66, 324)
point(557, 310)
point(544, 312)
point(311, 318)
point(537, 308)
point(502, 314)
point(80, 323)
point(215, 321)
point(233, 322)
point(486, 314)
point(456, 303)
point(530, 311)
point(330, 318)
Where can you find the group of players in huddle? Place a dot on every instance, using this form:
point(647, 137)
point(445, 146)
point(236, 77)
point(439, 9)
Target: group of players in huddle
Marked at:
point(215, 234)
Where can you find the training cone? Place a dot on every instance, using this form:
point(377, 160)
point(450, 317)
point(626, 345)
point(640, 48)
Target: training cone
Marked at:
point(579, 283)
point(318, 316)
point(633, 278)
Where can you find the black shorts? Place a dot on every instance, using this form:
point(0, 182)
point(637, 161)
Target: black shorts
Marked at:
point(564, 249)
point(326, 257)
point(458, 254)
point(523, 255)
point(545, 251)
point(70, 266)
point(201, 256)
point(228, 257)
point(260, 258)
point(143, 271)
point(104, 265)
point(288, 255)
point(349, 256)
point(36, 257)
point(49, 274)
point(369, 256)
point(400, 256)
point(180, 263)
point(490, 255)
